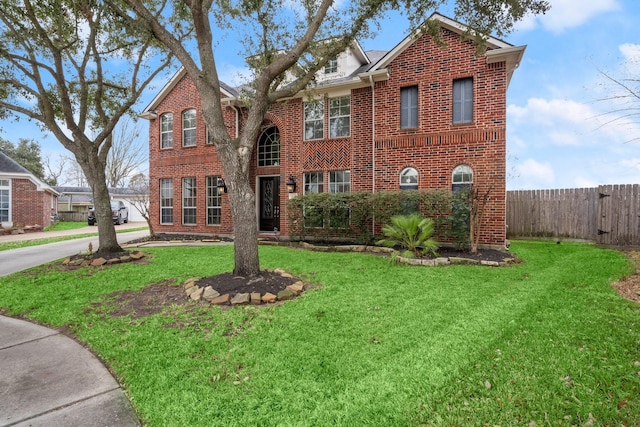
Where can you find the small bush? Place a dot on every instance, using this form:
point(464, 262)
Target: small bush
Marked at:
point(413, 233)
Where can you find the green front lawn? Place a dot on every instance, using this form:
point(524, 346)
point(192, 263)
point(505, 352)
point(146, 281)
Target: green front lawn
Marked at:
point(544, 342)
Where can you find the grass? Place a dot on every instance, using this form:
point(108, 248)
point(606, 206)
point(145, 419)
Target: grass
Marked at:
point(544, 342)
point(5, 246)
point(66, 225)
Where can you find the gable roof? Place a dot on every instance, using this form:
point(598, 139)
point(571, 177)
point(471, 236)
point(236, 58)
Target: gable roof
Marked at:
point(374, 63)
point(10, 166)
point(12, 169)
point(497, 50)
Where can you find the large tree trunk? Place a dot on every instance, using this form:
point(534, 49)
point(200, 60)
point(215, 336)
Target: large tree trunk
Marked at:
point(107, 239)
point(243, 209)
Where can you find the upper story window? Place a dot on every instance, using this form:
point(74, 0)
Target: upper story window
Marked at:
point(166, 130)
point(313, 182)
point(409, 107)
point(313, 120)
point(269, 147)
point(340, 116)
point(189, 128)
point(462, 178)
point(331, 66)
point(409, 179)
point(208, 136)
point(463, 100)
point(5, 200)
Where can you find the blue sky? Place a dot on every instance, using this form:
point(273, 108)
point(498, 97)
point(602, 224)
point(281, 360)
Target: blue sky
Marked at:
point(557, 136)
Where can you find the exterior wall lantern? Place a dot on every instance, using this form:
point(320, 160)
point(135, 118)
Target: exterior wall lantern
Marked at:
point(291, 184)
point(222, 187)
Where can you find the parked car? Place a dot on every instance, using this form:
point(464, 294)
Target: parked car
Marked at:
point(119, 213)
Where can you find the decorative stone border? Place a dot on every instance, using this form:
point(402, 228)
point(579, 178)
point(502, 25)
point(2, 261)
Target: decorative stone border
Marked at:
point(97, 262)
point(411, 261)
point(211, 296)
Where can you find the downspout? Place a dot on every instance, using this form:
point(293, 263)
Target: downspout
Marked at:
point(237, 117)
point(373, 146)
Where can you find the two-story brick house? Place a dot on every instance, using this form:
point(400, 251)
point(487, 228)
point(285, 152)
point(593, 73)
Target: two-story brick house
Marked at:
point(423, 115)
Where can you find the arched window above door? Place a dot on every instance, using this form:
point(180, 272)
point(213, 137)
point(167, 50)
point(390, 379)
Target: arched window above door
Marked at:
point(409, 179)
point(269, 147)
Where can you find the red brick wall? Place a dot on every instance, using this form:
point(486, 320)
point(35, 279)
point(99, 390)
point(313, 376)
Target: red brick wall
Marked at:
point(28, 205)
point(435, 148)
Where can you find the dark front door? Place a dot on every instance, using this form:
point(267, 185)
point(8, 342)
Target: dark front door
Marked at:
point(270, 203)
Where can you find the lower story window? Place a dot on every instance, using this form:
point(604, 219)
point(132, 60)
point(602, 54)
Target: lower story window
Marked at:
point(189, 201)
point(340, 215)
point(214, 201)
point(4, 200)
point(166, 201)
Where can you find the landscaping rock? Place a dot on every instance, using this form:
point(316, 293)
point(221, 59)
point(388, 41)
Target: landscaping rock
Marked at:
point(269, 298)
point(222, 299)
point(210, 293)
point(191, 289)
point(97, 262)
point(286, 294)
point(137, 255)
point(255, 298)
point(241, 299)
point(197, 294)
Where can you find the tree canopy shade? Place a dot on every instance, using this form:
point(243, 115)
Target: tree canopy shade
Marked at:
point(286, 43)
point(76, 69)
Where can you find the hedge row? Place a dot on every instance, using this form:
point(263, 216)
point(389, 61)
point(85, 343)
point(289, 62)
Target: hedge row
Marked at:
point(351, 216)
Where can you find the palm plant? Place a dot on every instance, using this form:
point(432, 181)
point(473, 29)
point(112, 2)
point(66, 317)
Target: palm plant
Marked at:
point(413, 233)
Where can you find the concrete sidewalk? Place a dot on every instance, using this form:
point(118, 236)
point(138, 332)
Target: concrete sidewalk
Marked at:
point(48, 379)
point(84, 230)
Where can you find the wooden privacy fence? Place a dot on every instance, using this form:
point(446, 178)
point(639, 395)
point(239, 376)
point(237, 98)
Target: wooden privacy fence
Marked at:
point(607, 215)
point(72, 216)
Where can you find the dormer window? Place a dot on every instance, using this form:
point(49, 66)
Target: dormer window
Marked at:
point(331, 66)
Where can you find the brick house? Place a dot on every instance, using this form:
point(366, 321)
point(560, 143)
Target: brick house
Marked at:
point(24, 199)
point(419, 116)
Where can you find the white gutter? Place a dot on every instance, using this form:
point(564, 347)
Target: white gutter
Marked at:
point(373, 146)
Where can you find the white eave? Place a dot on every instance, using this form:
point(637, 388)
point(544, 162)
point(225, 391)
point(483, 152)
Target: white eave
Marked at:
point(509, 55)
point(40, 186)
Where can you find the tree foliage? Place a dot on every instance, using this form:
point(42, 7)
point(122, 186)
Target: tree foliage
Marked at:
point(287, 43)
point(76, 69)
point(27, 153)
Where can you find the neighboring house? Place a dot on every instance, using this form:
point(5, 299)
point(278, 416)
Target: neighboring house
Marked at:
point(24, 199)
point(421, 116)
point(80, 199)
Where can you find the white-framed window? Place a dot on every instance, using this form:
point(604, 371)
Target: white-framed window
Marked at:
point(339, 181)
point(189, 128)
point(166, 201)
point(409, 179)
point(313, 120)
point(214, 201)
point(269, 147)
point(208, 137)
point(463, 100)
point(409, 107)
point(5, 200)
point(166, 130)
point(313, 182)
point(340, 117)
point(189, 201)
point(331, 66)
point(462, 178)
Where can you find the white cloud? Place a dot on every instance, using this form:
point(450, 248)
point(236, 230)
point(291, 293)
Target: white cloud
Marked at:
point(566, 14)
point(630, 51)
point(234, 75)
point(532, 170)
